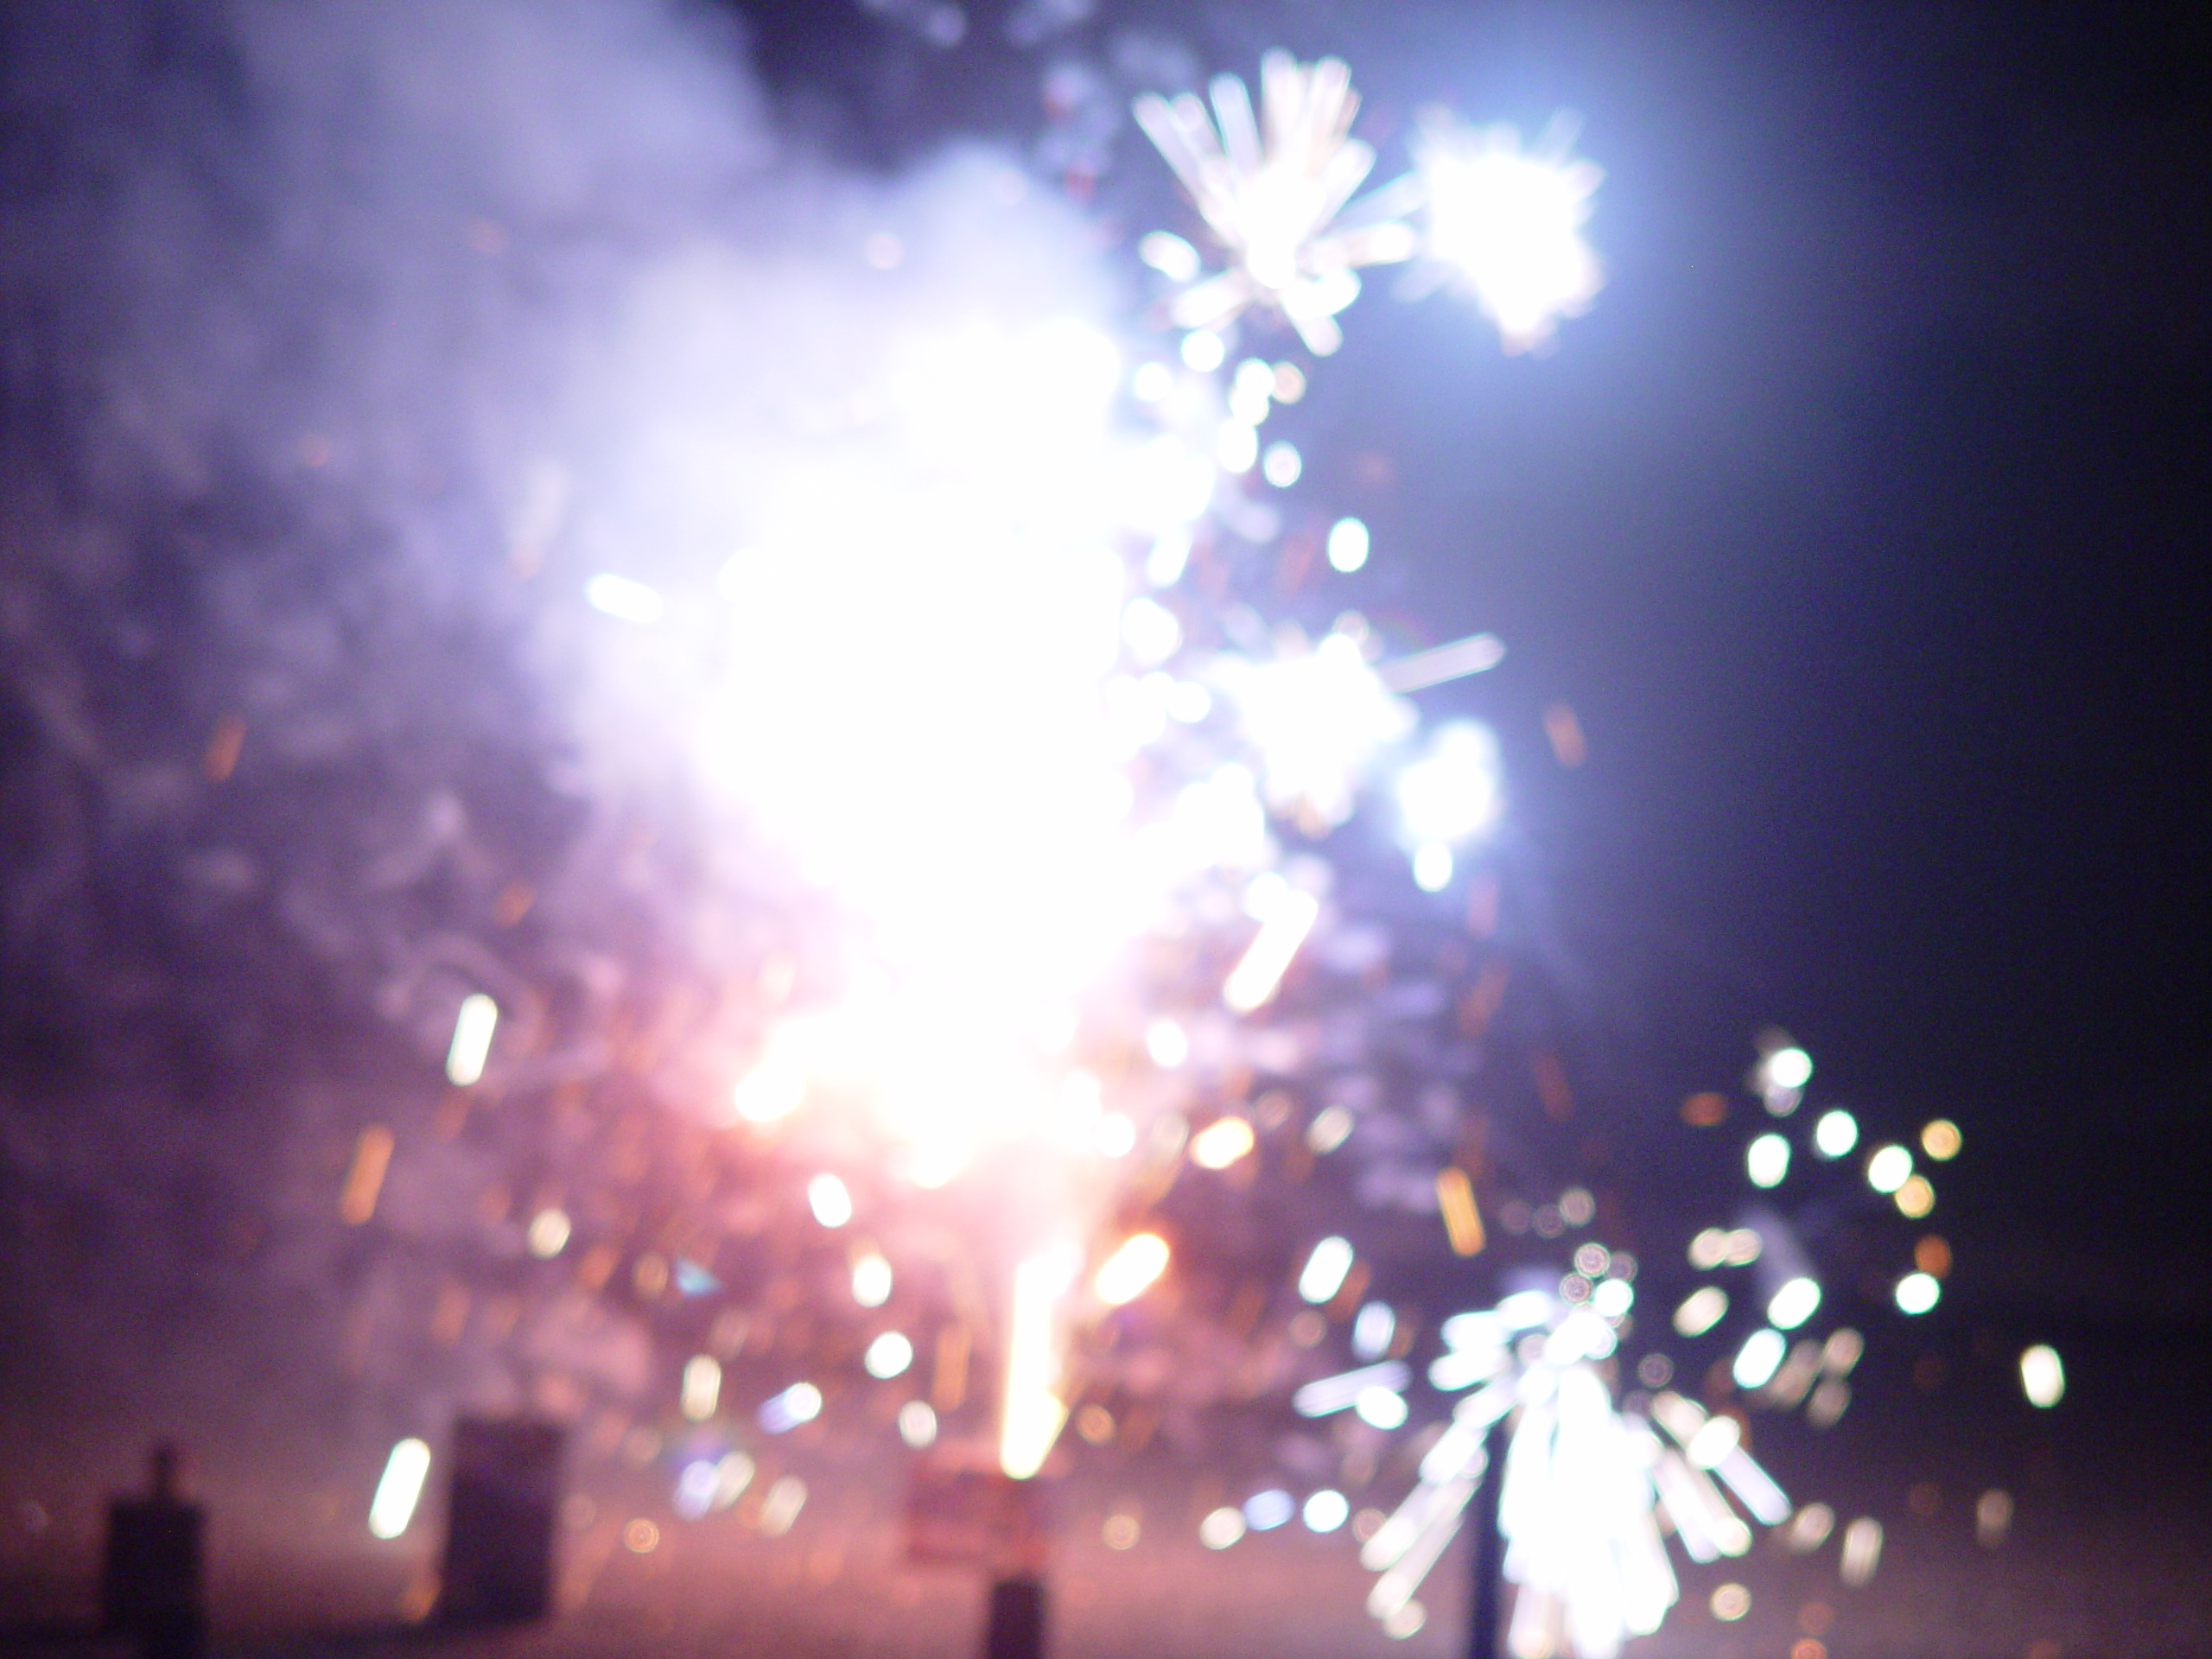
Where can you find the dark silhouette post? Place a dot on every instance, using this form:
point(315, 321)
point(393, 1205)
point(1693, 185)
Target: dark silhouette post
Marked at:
point(1489, 1567)
point(151, 1578)
point(1016, 1626)
point(499, 1516)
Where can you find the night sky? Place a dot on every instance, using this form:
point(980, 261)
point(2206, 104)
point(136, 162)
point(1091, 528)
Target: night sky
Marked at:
point(1859, 524)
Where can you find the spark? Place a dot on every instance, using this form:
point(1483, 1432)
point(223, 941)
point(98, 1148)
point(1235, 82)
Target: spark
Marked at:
point(1032, 1409)
point(1271, 189)
point(397, 1493)
point(1131, 1270)
point(472, 1039)
point(1253, 982)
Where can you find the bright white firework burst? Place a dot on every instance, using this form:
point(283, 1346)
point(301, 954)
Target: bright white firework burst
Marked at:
point(1502, 225)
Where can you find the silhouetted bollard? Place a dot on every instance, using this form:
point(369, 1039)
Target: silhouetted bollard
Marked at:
point(150, 1581)
point(505, 1493)
point(1016, 1629)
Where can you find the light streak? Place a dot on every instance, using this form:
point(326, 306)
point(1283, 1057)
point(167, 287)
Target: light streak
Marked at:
point(781, 1412)
point(1325, 1270)
point(1221, 1143)
point(1031, 1409)
point(2043, 1375)
point(472, 1039)
point(399, 1490)
point(625, 599)
point(1264, 1511)
point(703, 1386)
point(1131, 1270)
point(1340, 1393)
point(1477, 654)
point(357, 1197)
point(1253, 982)
point(1455, 1201)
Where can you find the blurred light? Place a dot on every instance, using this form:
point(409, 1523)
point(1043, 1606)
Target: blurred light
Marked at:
point(1222, 1528)
point(1993, 1517)
point(1151, 632)
point(872, 1280)
point(1348, 545)
point(1709, 1248)
point(1165, 1041)
point(1372, 1330)
point(1122, 1531)
point(1862, 1551)
point(1115, 1136)
point(1328, 1394)
point(1786, 1068)
point(1152, 382)
point(1525, 1310)
point(1326, 1510)
point(1918, 1292)
point(831, 1203)
point(1433, 867)
point(780, 1504)
point(1477, 654)
point(1731, 1602)
point(917, 1424)
point(888, 1356)
point(799, 1403)
point(357, 1197)
point(1888, 1168)
point(1203, 350)
point(1941, 1140)
point(1810, 1529)
point(1236, 446)
point(472, 1039)
point(1700, 1310)
point(1221, 1143)
point(1455, 1202)
point(620, 597)
point(1171, 255)
point(1613, 1299)
point(703, 1386)
point(1451, 794)
point(640, 1536)
point(1381, 1408)
point(1841, 1351)
point(695, 1488)
point(1282, 465)
point(771, 1090)
point(732, 1474)
point(1510, 226)
point(1251, 392)
point(1405, 1620)
point(1170, 552)
point(1932, 1254)
point(1265, 1511)
point(1836, 1134)
point(1325, 1270)
point(1767, 1161)
point(1031, 1410)
point(1254, 981)
point(393, 1506)
point(1758, 1358)
point(1916, 1198)
point(548, 1234)
point(1714, 1440)
point(1795, 1303)
point(2043, 1375)
point(1131, 1270)
point(1328, 1129)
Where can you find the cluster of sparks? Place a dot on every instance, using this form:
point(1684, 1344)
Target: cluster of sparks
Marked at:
point(1140, 774)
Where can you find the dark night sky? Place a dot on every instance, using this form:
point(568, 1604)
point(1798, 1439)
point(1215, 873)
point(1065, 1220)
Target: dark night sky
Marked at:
point(1857, 522)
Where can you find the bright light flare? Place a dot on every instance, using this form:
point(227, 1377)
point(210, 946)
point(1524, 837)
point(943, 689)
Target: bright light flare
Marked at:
point(472, 1039)
point(1252, 984)
point(1325, 1270)
point(1452, 794)
point(1509, 225)
point(1131, 1270)
point(828, 1198)
point(2043, 1375)
point(400, 1488)
point(1032, 1410)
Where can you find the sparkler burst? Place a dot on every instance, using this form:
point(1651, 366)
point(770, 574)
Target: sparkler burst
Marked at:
point(1272, 191)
